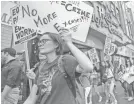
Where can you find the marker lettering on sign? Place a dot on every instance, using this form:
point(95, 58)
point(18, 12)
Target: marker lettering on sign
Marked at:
point(15, 11)
point(3, 17)
point(18, 28)
point(77, 20)
point(45, 20)
point(57, 2)
point(24, 10)
point(69, 7)
point(24, 32)
point(74, 28)
point(39, 21)
point(15, 20)
point(57, 27)
point(77, 3)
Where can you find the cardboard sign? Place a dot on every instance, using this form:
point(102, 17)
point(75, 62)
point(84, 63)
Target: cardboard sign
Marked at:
point(110, 48)
point(107, 45)
point(113, 49)
point(120, 75)
point(52, 16)
point(93, 55)
point(107, 58)
point(129, 79)
point(20, 34)
point(5, 12)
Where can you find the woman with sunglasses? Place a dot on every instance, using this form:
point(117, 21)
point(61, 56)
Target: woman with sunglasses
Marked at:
point(50, 86)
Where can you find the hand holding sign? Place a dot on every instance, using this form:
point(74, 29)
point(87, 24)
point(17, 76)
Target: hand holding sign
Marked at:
point(66, 36)
point(30, 74)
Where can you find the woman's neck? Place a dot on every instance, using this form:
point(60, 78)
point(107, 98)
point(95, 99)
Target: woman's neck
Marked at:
point(51, 57)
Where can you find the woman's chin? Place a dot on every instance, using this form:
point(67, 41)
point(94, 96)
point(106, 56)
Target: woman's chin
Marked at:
point(43, 52)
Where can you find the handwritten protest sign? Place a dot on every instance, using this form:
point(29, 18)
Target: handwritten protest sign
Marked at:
point(113, 49)
point(107, 45)
point(51, 16)
point(92, 53)
point(20, 34)
point(109, 48)
point(128, 78)
point(120, 75)
point(107, 58)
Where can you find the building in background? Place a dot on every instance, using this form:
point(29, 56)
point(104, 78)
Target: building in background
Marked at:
point(6, 26)
point(109, 20)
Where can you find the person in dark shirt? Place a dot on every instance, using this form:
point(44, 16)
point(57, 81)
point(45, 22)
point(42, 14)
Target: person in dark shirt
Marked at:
point(50, 85)
point(10, 77)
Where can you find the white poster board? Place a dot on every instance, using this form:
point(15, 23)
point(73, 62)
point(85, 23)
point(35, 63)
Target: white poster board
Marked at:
point(109, 47)
point(92, 53)
point(107, 58)
point(112, 49)
point(129, 79)
point(20, 34)
point(5, 12)
point(52, 16)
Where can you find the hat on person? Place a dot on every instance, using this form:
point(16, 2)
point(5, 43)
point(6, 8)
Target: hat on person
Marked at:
point(11, 51)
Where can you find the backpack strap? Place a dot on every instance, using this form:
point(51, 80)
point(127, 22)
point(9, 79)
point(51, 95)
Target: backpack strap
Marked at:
point(66, 76)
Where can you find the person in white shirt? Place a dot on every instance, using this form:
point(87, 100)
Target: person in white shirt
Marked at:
point(110, 82)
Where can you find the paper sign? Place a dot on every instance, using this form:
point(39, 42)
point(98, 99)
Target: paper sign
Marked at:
point(5, 12)
point(20, 34)
point(109, 48)
point(129, 79)
point(120, 75)
point(52, 16)
point(107, 58)
point(112, 49)
point(107, 45)
point(93, 55)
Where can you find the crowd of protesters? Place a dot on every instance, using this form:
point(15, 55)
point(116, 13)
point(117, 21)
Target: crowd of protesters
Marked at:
point(55, 71)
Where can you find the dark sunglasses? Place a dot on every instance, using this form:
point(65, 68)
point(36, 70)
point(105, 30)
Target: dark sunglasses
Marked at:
point(43, 41)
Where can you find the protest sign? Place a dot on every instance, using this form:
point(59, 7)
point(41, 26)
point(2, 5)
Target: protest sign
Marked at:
point(52, 16)
point(128, 78)
point(20, 34)
point(5, 12)
point(107, 45)
point(120, 75)
point(107, 58)
point(110, 48)
point(92, 53)
point(113, 49)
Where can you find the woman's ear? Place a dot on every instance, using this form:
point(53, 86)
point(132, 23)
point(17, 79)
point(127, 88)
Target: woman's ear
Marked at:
point(6, 53)
point(56, 45)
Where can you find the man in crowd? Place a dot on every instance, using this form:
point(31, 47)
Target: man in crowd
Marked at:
point(10, 77)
